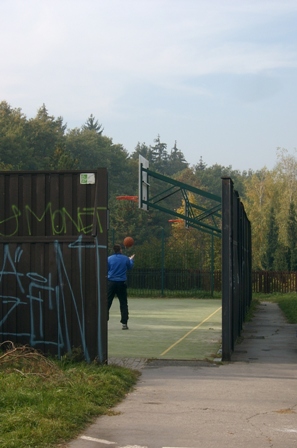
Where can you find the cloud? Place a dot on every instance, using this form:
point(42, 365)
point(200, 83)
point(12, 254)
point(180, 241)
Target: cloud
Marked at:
point(146, 39)
point(145, 67)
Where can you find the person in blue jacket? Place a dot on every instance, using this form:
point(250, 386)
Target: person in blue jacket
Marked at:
point(118, 265)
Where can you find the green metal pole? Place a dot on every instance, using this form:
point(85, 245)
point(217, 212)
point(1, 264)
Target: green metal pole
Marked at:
point(162, 263)
point(212, 265)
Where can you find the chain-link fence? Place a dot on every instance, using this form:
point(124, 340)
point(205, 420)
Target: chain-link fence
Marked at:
point(150, 282)
point(166, 272)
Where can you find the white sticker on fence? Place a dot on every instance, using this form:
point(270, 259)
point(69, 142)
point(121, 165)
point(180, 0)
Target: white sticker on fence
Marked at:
point(87, 178)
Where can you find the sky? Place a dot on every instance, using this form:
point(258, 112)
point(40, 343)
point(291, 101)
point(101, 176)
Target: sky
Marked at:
point(219, 77)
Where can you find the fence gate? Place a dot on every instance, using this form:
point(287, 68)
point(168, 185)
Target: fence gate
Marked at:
point(53, 261)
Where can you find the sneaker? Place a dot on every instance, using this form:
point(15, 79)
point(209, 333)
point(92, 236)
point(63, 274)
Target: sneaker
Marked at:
point(125, 327)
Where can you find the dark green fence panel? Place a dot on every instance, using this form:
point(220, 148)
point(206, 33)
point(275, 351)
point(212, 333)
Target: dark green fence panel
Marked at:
point(53, 258)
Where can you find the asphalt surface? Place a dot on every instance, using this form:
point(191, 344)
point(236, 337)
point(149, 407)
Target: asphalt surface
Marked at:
point(251, 401)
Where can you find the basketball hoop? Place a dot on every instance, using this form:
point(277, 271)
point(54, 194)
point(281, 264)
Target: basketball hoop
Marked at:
point(127, 198)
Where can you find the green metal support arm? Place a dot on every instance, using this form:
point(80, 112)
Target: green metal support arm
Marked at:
point(191, 218)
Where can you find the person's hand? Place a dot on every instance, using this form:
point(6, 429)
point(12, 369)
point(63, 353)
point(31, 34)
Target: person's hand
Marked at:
point(132, 256)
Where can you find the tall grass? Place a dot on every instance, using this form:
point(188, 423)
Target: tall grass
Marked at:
point(41, 407)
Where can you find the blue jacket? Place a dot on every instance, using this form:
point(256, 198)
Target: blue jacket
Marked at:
point(118, 264)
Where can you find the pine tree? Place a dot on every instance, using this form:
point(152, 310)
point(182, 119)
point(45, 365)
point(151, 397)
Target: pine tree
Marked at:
point(93, 125)
point(159, 155)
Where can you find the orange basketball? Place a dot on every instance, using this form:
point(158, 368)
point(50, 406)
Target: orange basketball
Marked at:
point(128, 241)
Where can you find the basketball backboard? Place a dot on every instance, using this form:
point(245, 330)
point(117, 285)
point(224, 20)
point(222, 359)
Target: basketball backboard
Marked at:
point(143, 183)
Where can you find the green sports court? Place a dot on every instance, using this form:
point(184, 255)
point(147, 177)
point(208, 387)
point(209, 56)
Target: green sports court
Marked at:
point(163, 328)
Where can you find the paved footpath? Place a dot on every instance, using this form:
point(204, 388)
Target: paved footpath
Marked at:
point(251, 401)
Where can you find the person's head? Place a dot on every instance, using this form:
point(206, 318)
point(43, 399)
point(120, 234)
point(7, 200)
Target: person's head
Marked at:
point(117, 249)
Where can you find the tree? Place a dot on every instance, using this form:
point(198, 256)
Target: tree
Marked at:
point(92, 150)
point(176, 161)
point(211, 177)
point(159, 155)
point(286, 179)
point(286, 171)
point(271, 243)
point(187, 242)
point(123, 173)
point(143, 150)
point(62, 160)
point(292, 238)
point(46, 134)
point(201, 165)
point(159, 159)
point(88, 148)
point(127, 219)
point(93, 125)
point(14, 150)
point(260, 194)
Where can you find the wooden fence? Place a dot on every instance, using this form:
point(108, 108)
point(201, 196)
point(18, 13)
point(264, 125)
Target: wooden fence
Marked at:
point(270, 282)
point(149, 280)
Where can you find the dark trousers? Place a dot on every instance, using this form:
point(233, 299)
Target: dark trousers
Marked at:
point(119, 289)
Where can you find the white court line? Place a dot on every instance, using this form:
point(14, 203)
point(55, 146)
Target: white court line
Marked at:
point(107, 442)
point(133, 446)
point(287, 430)
point(92, 439)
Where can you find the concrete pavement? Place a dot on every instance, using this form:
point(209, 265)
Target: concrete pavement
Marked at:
point(249, 401)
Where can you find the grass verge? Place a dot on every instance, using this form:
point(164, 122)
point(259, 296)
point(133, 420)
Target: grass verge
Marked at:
point(45, 403)
point(252, 309)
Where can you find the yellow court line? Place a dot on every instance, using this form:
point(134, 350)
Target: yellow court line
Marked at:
point(189, 332)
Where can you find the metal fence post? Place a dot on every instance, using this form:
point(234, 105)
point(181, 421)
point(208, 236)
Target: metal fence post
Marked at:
point(162, 263)
point(212, 266)
point(227, 264)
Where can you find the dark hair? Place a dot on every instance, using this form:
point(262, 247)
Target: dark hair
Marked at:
point(117, 248)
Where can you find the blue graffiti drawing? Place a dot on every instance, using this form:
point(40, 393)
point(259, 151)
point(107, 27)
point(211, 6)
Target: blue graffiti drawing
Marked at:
point(44, 303)
point(8, 270)
point(37, 285)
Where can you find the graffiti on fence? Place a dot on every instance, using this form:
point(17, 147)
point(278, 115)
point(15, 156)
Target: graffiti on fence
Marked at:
point(60, 219)
point(45, 302)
